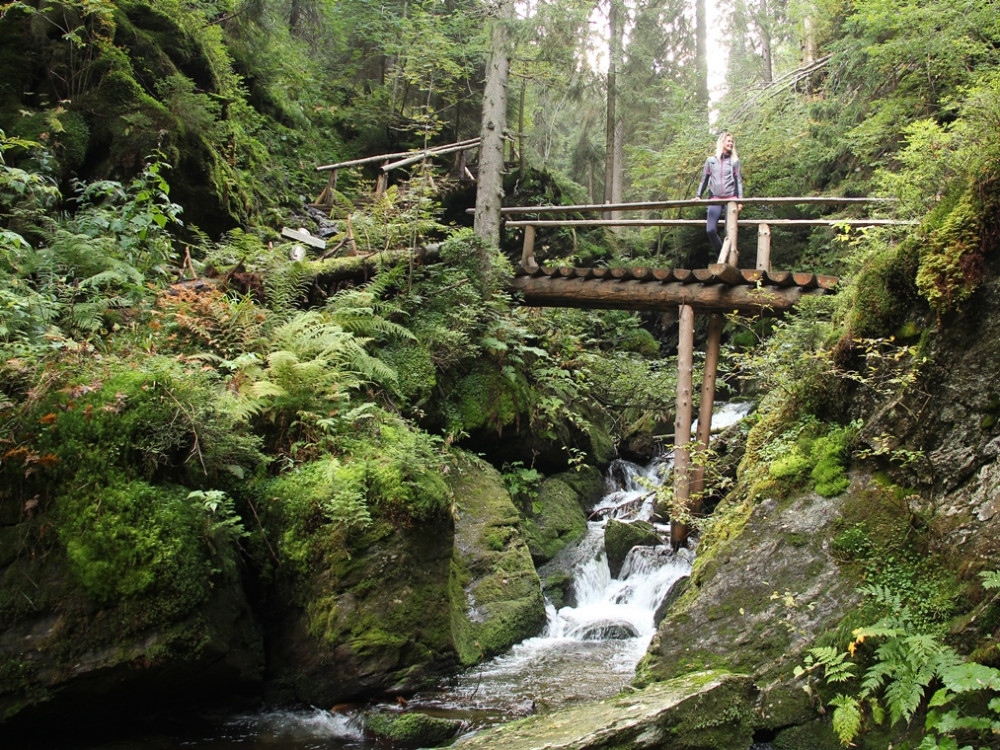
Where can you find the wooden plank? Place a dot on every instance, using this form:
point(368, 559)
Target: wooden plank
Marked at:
point(701, 222)
point(303, 236)
point(726, 273)
point(683, 275)
point(827, 282)
point(805, 280)
point(779, 278)
point(703, 275)
point(641, 274)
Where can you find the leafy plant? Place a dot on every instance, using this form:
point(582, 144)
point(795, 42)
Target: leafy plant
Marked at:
point(902, 670)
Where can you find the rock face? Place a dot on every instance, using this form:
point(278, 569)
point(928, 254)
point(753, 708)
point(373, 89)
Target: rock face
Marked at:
point(758, 602)
point(416, 603)
point(702, 711)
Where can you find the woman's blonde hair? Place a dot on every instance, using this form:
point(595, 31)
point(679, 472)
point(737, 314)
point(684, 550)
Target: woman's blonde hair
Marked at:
point(718, 146)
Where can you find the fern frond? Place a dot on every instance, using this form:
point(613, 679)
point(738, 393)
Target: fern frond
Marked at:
point(991, 579)
point(846, 718)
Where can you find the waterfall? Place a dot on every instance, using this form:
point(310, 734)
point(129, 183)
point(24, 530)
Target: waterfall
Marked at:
point(590, 647)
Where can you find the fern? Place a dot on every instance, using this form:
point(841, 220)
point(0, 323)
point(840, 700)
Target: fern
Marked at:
point(991, 579)
point(847, 718)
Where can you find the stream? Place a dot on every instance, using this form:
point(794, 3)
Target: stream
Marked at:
point(587, 652)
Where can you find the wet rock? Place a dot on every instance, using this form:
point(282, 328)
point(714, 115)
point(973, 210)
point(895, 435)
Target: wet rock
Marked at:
point(607, 630)
point(756, 602)
point(496, 595)
point(410, 729)
point(557, 516)
point(701, 711)
point(620, 537)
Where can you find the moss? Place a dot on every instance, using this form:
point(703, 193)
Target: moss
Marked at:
point(495, 595)
point(815, 735)
point(411, 729)
point(885, 291)
point(485, 398)
point(559, 519)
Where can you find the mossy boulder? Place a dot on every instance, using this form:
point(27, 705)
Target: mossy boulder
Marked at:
point(758, 596)
point(410, 728)
point(361, 603)
point(704, 711)
point(495, 594)
point(558, 514)
point(621, 536)
point(131, 605)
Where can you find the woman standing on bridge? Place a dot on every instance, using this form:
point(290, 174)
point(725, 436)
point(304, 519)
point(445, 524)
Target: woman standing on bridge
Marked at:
point(723, 179)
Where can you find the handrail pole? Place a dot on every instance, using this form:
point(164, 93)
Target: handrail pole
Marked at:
point(732, 232)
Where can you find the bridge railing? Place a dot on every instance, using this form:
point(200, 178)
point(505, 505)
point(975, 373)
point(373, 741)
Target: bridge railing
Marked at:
point(729, 254)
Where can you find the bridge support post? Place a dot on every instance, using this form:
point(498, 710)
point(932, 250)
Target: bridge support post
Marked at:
point(682, 428)
point(716, 322)
point(763, 247)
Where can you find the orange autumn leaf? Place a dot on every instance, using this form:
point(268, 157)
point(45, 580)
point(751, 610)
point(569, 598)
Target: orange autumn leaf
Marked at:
point(48, 418)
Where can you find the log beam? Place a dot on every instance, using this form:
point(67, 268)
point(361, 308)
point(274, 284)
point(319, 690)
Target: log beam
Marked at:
point(544, 291)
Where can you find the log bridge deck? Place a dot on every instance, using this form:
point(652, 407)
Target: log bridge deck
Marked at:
point(721, 288)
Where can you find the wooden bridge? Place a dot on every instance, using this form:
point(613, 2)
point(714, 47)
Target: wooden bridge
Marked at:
point(721, 288)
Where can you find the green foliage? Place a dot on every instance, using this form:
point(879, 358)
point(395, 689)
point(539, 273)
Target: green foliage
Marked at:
point(390, 474)
point(951, 264)
point(522, 482)
point(898, 676)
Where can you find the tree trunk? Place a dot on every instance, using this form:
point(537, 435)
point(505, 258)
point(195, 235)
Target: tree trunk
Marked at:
point(701, 53)
point(489, 195)
point(611, 145)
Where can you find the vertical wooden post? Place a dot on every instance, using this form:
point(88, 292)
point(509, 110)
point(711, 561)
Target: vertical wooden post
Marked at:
point(382, 182)
point(682, 426)
point(716, 322)
point(528, 250)
point(732, 226)
point(763, 247)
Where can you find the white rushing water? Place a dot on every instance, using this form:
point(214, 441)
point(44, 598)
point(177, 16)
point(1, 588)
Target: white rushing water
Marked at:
point(590, 648)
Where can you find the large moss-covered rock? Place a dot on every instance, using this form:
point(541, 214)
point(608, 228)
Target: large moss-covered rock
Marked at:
point(703, 711)
point(558, 514)
point(495, 595)
point(126, 616)
point(757, 600)
point(360, 605)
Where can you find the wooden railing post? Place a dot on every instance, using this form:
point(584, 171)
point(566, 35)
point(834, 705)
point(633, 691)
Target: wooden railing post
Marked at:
point(763, 247)
point(732, 227)
point(682, 427)
point(528, 250)
point(381, 182)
